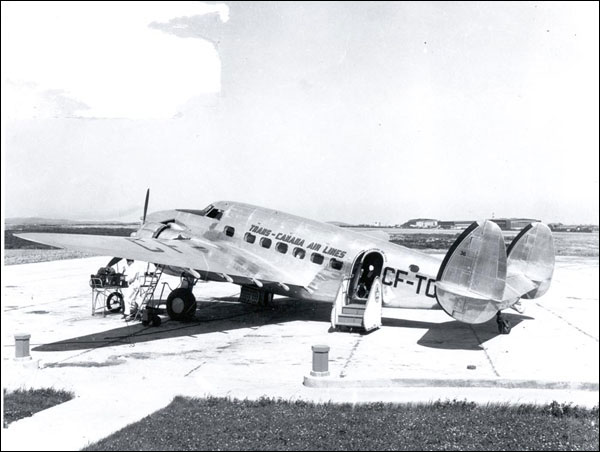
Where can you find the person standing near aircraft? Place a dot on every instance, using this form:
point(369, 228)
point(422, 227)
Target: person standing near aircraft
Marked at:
point(134, 274)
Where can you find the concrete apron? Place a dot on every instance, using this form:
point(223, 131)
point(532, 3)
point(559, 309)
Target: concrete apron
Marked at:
point(122, 373)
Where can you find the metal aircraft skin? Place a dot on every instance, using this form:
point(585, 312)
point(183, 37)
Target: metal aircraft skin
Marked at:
point(280, 253)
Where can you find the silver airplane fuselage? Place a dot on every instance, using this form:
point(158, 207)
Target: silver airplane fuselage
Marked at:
point(320, 253)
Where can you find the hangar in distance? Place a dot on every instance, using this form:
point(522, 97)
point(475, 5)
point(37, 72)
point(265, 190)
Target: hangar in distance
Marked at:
point(268, 252)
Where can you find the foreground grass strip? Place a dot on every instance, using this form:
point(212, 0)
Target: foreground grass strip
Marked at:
point(24, 403)
point(221, 424)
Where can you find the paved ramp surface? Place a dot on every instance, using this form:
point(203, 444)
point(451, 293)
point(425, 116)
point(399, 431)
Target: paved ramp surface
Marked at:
point(122, 372)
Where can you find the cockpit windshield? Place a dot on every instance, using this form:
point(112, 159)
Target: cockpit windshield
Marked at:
point(209, 211)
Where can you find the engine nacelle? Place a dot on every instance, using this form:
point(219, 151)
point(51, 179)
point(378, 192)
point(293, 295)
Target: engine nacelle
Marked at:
point(150, 230)
point(168, 231)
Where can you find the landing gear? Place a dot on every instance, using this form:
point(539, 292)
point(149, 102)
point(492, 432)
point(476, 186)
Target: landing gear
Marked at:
point(504, 325)
point(181, 304)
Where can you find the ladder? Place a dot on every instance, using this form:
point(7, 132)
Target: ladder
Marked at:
point(147, 289)
point(358, 312)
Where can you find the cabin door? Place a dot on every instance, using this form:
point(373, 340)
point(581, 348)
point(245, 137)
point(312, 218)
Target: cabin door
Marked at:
point(367, 266)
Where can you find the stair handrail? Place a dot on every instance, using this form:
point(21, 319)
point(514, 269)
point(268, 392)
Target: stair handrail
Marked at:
point(339, 302)
point(372, 315)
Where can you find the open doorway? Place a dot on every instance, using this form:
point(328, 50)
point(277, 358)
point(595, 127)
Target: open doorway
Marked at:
point(367, 266)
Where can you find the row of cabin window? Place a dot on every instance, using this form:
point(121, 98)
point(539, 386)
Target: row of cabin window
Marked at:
point(298, 253)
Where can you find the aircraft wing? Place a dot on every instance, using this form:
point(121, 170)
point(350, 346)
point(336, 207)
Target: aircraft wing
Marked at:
point(198, 254)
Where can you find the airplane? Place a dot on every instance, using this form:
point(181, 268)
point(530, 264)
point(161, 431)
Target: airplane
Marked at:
point(268, 252)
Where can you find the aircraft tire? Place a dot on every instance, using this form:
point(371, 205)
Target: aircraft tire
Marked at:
point(156, 320)
point(181, 304)
point(114, 302)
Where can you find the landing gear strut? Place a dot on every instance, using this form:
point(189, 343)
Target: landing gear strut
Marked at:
point(504, 325)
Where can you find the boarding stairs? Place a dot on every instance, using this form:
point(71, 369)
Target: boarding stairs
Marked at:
point(146, 292)
point(352, 312)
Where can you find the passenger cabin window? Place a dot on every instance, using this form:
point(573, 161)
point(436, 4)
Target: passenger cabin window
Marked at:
point(282, 247)
point(299, 253)
point(335, 264)
point(250, 238)
point(215, 213)
point(229, 231)
point(265, 242)
point(316, 258)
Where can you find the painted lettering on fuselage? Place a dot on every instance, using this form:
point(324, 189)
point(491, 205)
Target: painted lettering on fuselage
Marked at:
point(393, 277)
point(334, 252)
point(289, 239)
point(260, 230)
point(298, 241)
point(314, 246)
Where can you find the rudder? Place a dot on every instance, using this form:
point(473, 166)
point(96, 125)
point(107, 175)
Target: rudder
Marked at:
point(472, 278)
point(531, 255)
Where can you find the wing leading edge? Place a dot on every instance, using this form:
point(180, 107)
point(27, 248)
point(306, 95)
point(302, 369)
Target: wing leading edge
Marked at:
point(195, 253)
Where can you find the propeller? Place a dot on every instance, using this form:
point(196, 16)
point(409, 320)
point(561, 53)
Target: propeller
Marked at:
point(114, 260)
point(146, 206)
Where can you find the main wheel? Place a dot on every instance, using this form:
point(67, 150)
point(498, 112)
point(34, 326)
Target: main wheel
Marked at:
point(181, 304)
point(114, 302)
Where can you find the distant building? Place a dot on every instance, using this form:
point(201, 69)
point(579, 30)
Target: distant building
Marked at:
point(421, 223)
point(559, 227)
point(461, 224)
point(513, 224)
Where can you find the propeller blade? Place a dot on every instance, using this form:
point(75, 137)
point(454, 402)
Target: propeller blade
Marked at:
point(113, 261)
point(146, 206)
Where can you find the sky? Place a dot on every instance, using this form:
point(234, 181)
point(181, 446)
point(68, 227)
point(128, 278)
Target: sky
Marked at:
point(354, 112)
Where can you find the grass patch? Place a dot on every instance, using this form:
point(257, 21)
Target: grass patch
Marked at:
point(23, 403)
point(266, 424)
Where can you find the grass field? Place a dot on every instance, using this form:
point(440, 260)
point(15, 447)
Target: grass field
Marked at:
point(24, 403)
point(221, 424)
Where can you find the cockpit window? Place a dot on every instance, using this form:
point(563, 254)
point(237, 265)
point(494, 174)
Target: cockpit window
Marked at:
point(215, 213)
point(209, 211)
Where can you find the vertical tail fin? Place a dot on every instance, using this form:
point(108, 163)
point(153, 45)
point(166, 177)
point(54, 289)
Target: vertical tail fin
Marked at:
point(471, 280)
point(531, 255)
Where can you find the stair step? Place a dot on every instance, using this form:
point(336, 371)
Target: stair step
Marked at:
point(352, 304)
point(349, 320)
point(358, 301)
point(353, 310)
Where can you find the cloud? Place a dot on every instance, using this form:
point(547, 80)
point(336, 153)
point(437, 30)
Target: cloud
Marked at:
point(208, 27)
point(103, 59)
point(27, 100)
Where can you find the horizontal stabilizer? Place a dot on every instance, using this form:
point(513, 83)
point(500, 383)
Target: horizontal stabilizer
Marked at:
point(472, 278)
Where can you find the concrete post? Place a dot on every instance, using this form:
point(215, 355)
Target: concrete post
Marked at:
point(22, 346)
point(320, 361)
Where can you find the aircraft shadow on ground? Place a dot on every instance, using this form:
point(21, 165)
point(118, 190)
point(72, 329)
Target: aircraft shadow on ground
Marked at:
point(212, 316)
point(223, 315)
point(455, 335)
